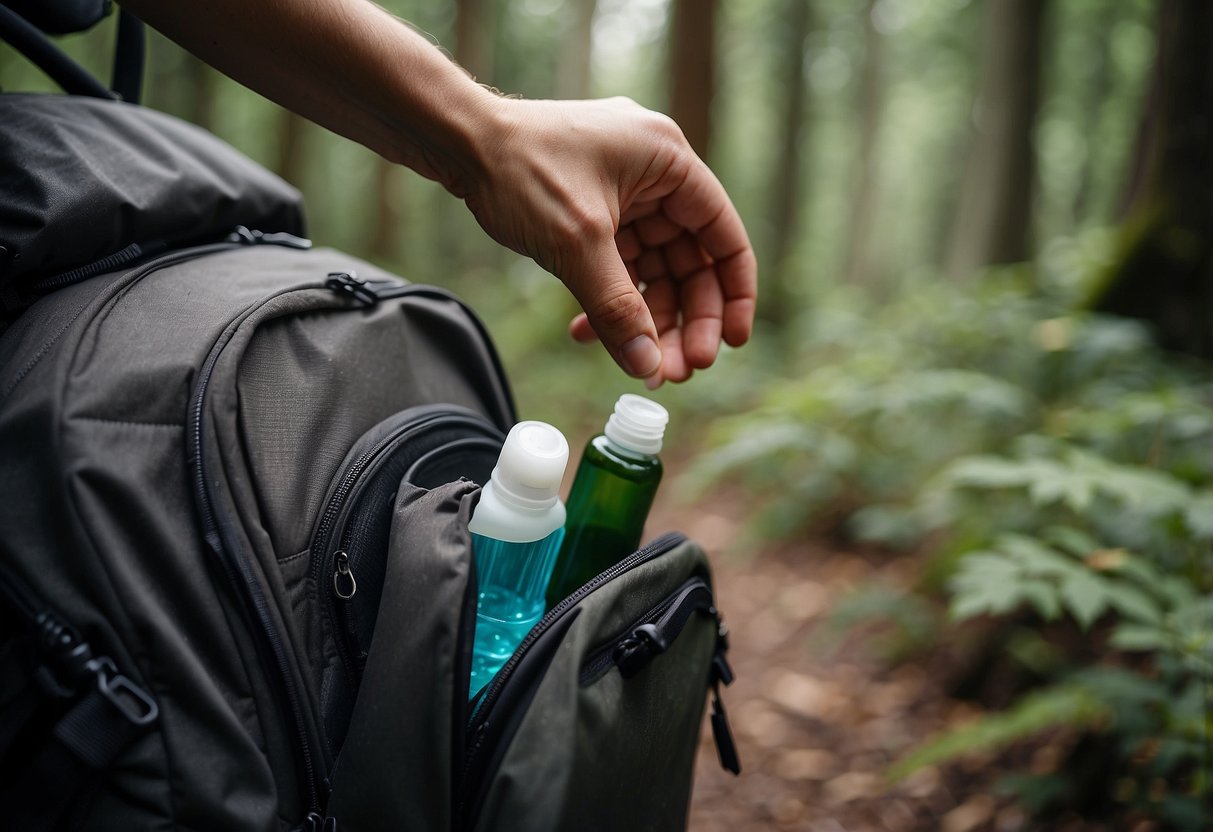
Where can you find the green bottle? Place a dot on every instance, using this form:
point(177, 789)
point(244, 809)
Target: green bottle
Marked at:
point(611, 494)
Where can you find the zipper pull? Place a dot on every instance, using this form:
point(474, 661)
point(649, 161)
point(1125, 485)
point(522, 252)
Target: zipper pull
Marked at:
point(71, 663)
point(252, 237)
point(351, 284)
point(343, 577)
point(726, 748)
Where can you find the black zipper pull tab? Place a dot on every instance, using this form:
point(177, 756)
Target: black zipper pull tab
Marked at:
point(726, 748)
point(349, 283)
point(252, 237)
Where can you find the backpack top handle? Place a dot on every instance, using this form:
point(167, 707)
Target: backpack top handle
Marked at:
point(71, 76)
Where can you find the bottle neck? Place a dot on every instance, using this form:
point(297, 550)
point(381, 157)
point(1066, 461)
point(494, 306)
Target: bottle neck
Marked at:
point(624, 449)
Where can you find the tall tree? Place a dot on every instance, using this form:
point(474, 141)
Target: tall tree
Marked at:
point(861, 257)
point(199, 81)
point(693, 69)
point(475, 37)
point(1164, 272)
point(387, 192)
point(574, 73)
point(291, 140)
point(790, 46)
point(994, 209)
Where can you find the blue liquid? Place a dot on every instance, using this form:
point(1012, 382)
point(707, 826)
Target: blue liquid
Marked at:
point(512, 579)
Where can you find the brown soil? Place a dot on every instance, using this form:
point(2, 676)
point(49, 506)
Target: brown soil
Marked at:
point(818, 725)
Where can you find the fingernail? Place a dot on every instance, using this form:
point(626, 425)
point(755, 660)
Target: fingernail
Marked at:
point(652, 382)
point(640, 356)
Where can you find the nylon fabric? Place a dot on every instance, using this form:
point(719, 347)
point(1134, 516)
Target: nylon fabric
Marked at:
point(409, 687)
point(550, 772)
point(82, 178)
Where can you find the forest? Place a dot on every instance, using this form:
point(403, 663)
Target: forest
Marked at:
point(959, 485)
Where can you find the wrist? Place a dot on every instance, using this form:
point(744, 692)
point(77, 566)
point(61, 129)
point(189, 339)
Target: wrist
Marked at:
point(445, 126)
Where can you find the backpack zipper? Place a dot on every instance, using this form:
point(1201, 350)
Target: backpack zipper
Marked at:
point(482, 708)
point(344, 581)
point(234, 564)
point(71, 661)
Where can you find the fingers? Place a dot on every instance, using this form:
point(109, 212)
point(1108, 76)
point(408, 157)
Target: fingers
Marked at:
point(614, 310)
point(701, 206)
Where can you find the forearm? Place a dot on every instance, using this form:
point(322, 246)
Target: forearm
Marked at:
point(351, 67)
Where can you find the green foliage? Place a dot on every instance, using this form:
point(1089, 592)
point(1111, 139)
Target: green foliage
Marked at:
point(1058, 463)
point(1069, 706)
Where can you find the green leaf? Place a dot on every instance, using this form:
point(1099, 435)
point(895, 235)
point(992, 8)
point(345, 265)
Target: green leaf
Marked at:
point(1069, 705)
point(1140, 638)
point(1042, 596)
point(1035, 558)
point(1071, 540)
point(1133, 603)
point(1199, 515)
point(1085, 596)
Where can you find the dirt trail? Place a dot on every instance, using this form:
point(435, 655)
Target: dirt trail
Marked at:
point(816, 727)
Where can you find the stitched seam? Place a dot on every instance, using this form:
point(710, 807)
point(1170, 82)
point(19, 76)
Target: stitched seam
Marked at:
point(129, 423)
point(42, 351)
point(296, 556)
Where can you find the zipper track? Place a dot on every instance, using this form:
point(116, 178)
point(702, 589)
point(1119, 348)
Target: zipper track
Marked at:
point(485, 703)
point(324, 545)
point(602, 658)
point(658, 547)
point(235, 566)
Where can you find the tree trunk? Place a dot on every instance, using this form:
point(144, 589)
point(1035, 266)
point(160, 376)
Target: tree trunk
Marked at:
point(387, 216)
point(862, 259)
point(574, 76)
point(292, 161)
point(200, 92)
point(994, 208)
point(790, 44)
point(693, 69)
point(1164, 274)
point(475, 37)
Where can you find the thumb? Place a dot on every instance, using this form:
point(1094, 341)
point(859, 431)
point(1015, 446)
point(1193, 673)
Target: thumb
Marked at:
point(615, 309)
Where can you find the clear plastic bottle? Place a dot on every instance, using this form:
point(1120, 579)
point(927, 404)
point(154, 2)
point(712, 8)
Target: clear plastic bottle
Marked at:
point(611, 494)
point(517, 529)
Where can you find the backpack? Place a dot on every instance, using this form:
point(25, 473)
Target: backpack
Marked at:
point(236, 582)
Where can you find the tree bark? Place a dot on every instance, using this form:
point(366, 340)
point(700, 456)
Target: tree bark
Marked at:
point(693, 69)
point(475, 37)
point(862, 258)
point(387, 194)
point(1164, 271)
point(994, 209)
point(790, 44)
point(200, 92)
point(575, 74)
point(292, 161)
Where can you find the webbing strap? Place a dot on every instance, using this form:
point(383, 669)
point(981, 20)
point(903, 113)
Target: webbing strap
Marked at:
point(31, 43)
point(128, 58)
point(78, 753)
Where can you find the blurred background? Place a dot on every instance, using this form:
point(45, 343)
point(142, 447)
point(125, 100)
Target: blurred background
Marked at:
point(958, 487)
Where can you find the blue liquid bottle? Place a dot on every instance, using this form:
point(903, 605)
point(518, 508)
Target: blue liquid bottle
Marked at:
point(517, 529)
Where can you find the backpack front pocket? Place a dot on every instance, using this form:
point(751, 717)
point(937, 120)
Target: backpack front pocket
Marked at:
point(424, 446)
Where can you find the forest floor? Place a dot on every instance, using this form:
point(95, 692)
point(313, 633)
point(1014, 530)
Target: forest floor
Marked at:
point(818, 722)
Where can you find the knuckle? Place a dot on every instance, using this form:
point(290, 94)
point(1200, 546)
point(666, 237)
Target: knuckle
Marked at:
point(617, 310)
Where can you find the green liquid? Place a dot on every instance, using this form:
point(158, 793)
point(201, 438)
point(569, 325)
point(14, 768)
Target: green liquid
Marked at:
point(607, 507)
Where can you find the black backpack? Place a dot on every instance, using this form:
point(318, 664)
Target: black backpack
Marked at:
point(236, 585)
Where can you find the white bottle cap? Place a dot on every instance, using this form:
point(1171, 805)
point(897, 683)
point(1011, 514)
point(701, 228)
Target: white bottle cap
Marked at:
point(531, 465)
point(637, 425)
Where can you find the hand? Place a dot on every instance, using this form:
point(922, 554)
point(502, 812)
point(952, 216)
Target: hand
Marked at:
point(610, 198)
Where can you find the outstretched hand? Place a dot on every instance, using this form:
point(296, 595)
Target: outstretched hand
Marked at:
point(610, 198)
point(606, 195)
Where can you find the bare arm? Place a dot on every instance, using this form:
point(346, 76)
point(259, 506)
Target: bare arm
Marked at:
point(603, 194)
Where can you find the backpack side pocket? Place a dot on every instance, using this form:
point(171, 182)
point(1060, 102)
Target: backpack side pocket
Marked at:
point(602, 736)
point(405, 737)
